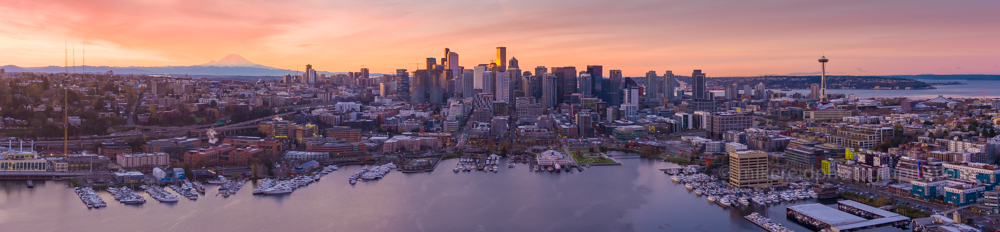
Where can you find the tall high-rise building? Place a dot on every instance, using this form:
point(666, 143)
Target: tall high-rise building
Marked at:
point(503, 93)
point(287, 79)
point(364, 76)
point(307, 77)
point(478, 76)
point(732, 92)
point(437, 85)
point(549, 92)
point(513, 63)
point(670, 85)
point(586, 82)
point(614, 89)
point(502, 58)
point(652, 85)
point(698, 85)
point(453, 65)
point(597, 74)
point(567, 82)
point(418, 86)
point(540, 70)
point(488, 85)
point(535, 86)
point(758, 91)
point(630, 98)
point(403, 84)
point(459, 80)
point(518, 86)
point(747, 91)
point(814, 93)
point(468, 83)
point(584, 125)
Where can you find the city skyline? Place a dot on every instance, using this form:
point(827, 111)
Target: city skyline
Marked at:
point(733, 39)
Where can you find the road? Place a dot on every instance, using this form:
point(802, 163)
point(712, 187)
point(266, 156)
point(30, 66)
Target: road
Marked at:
point(130, 121)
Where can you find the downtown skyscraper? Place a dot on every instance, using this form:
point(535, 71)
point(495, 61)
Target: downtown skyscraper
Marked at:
point(670, 85)
point(614, 90)
point(698, 85)
point(597, 74)
point(549, 90)
point(504, 92)
point(653, 87)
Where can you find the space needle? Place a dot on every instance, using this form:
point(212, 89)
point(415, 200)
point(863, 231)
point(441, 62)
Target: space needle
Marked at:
point(822, 88)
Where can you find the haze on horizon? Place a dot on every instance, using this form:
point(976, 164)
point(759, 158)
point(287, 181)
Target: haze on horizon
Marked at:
point(724, 38)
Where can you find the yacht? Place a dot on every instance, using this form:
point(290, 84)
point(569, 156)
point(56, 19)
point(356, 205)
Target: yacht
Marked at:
point(724, 201)
point(457, 168)
point(280, 189)
point(711, 198)
point(221, 180)
point(697, 192)
point(744, 201)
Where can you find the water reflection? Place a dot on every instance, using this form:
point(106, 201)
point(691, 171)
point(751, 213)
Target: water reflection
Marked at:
point(633, 197)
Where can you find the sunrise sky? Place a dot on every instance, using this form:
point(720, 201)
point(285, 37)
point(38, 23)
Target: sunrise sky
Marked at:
point(724, 38)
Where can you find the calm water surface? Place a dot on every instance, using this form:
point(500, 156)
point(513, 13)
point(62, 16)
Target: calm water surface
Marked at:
point(632, 197)
point(967, 90)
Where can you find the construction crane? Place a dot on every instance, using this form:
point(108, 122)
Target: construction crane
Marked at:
point(984, 94)
point(418, 66)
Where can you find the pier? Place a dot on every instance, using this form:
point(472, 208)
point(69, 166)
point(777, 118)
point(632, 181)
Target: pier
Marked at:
point(28, 175)
point(854, 217)
point(766, 223)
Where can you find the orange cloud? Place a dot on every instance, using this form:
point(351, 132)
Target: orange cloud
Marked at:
point(723, 38)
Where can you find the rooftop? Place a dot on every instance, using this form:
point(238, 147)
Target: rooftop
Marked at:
point(826, 214)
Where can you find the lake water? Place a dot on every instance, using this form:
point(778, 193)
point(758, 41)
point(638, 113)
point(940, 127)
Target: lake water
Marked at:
point(967, 90)
point(633, 197)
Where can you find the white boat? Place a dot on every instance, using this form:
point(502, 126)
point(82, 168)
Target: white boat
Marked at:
point(744, 201)
point(675, 179)
point(711, 198)
point(697, 192)
point(724, 201)
point(221, 180)
point(458, 169)
point(278, 190)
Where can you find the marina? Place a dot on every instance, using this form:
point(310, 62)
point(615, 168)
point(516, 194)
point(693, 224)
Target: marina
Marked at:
point(90, 198)
point(158, 193)
point(721, 194)
point(369, 173)
point(126, 195)
point(766, 223)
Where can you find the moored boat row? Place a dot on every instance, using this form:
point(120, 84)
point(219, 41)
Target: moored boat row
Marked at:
point(90, 198)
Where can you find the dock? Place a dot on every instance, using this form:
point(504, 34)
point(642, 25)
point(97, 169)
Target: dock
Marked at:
point(848, 216)
point(766, 223)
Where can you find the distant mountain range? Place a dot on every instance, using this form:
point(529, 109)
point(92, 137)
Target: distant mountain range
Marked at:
point(231, 65)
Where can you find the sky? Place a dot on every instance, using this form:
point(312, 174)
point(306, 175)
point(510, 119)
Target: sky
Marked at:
point(723, 38)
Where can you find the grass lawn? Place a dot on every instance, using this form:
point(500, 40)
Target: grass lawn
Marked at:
point(592, 160)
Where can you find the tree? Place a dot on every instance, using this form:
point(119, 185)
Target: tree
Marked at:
point(602, 148)
point(213, 104)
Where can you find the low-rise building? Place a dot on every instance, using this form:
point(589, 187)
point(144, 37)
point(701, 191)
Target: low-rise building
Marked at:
point(138, 160)
point(306, 155)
